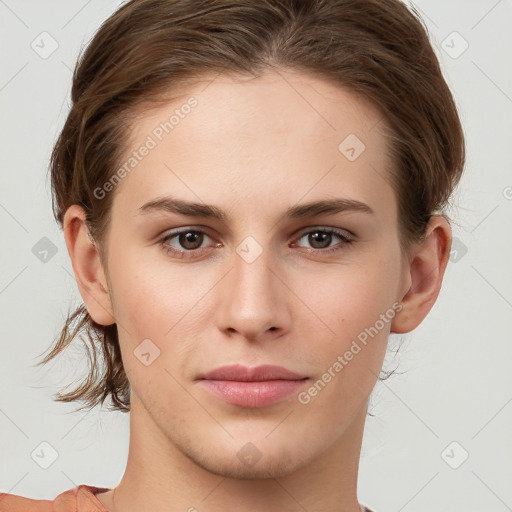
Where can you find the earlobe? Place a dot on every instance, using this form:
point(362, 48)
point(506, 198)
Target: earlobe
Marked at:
point(87, 267)
point(425, 273)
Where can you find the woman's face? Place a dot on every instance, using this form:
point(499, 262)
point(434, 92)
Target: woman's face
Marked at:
point(264, 281)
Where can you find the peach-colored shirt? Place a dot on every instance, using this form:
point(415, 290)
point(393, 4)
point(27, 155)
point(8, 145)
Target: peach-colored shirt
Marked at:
point(79, 499)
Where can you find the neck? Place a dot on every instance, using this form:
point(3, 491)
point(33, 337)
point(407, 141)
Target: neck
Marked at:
point(161, 478)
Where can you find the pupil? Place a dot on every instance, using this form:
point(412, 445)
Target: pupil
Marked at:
point(319, 237)
point(189, 239)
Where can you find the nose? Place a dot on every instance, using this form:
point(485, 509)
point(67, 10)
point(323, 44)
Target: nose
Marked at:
point(254, 300)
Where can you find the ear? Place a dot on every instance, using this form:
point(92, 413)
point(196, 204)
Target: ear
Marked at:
point(89, 273)
point(425, 270)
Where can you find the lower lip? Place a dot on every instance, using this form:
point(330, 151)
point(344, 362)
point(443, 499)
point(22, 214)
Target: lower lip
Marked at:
point(253, 394)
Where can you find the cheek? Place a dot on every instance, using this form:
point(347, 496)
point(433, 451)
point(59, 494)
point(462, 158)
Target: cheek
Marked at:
point(356, 303)
point(171, 305)
point(151, 299)
point(352, 297)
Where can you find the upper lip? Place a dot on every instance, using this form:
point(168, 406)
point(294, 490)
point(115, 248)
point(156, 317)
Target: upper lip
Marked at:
point(242, 373)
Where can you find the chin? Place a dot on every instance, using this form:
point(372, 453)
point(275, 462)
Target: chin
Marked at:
point(264, 468)
point(249, 462)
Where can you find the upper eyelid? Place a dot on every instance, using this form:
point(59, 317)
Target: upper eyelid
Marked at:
point(179, 231)
point(325, 228)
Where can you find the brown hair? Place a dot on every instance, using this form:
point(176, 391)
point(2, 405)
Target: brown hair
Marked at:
point(379, 49)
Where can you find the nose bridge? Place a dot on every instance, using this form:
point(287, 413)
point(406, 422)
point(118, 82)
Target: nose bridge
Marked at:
point(253, 301)
point(253, 277)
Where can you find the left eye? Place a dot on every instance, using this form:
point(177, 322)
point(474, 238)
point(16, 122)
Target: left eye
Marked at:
point(321, 238)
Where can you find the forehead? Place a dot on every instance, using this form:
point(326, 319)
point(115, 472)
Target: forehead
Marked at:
point(236, 140)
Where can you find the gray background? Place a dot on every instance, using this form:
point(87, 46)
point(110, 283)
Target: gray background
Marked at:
point(454, 397)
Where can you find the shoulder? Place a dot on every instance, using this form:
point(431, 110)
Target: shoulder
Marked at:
point(79, 499)
point(15, 503)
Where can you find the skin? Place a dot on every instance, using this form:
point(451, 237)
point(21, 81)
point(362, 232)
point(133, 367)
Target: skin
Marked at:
point(253, 148)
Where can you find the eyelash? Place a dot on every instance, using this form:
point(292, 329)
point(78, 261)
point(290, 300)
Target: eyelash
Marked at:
point(346, 240)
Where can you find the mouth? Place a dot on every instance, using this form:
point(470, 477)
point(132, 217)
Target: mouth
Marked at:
point(255, 387)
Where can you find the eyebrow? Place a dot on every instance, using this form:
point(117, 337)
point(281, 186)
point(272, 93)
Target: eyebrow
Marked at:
point(191, 209)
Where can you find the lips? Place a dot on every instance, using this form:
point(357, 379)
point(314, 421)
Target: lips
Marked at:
point(246, 374)
point(259, 386)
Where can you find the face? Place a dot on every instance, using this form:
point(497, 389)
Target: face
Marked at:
point(291, 258)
